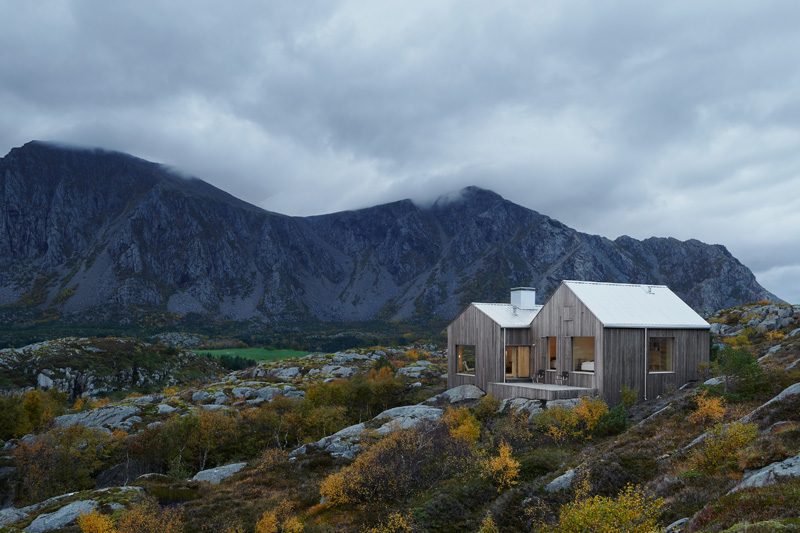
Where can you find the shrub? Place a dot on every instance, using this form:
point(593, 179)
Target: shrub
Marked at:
point(462, 424)
point(396, 523)
point(632, 511)
point(95, 522)
point(236, 362)
point(487, 408)
point(503, 469)
point(722, 446)
point(396, 465)
point(580, 422)
point(743, 373)
point(279, 520)
point(739, 340)
point(148, 517)
point(629, 396)
point(488, 525)
point(515, 429)
point(613, 422)
point(774, 335)
point(59, 461)
point(710, 409)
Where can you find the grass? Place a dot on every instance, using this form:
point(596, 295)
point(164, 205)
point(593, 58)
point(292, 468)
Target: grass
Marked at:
point(259, 354)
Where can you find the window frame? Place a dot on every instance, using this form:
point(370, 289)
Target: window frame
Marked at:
point(574, 361)
point(670, 346)
point(460, 359)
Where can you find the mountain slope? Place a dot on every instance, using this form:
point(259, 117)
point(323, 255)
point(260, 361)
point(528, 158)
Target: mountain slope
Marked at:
point(105, 234)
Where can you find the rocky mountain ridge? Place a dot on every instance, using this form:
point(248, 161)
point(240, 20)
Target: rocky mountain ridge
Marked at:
point(102, 236)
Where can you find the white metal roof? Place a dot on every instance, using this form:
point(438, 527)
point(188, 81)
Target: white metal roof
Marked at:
point(507, 315)
point(621, 305)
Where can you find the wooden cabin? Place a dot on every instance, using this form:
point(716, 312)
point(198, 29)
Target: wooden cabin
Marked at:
point(588, 338)
point(491, 342)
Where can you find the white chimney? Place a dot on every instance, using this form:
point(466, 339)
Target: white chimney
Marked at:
point(523, 297)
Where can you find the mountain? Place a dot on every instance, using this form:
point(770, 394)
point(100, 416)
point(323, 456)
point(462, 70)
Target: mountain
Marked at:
point(104, 235)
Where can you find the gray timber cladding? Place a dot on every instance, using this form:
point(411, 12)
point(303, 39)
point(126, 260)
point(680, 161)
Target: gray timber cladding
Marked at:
point(578, 322)
point(625, 350)
point(633, 315)
point(473, 327)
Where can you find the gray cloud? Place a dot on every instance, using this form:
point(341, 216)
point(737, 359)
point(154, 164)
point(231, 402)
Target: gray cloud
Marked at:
point(669, 119)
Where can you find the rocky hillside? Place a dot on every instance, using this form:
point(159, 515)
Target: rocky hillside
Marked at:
point(369, 441)
point(79, 367)
point(104, 236)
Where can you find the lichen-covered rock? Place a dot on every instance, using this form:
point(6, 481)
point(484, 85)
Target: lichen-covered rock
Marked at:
point(216, 475)
point(285, 373)
point(61, 518)
point(462, 393)
point(268, 393)
point(111, 416)
point(406, 416)
point(522, 404)
point(343, 443)
point(242, 392)
point(771, 474)
point(562, 482)
point(200, 396)
point(164, 408)
point(568, 403)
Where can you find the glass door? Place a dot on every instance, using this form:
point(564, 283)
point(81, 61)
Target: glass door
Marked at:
point(518, 361)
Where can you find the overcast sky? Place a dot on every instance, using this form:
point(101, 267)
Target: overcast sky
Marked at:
point(678, 118)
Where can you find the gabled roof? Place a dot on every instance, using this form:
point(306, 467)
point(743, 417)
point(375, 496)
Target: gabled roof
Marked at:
point(507, 315)
point(621, 305)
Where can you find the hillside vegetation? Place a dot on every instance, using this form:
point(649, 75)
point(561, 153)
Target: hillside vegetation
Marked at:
point(369, 440)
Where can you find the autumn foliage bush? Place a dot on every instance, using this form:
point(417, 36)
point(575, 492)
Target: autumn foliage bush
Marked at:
point(710, 409)
point(398, 464)
point(722, 446)
point(59, 461)
point(279, 520)
point(502, 470)
point(25, 413)
point(581, 422)
point(146, 517)
point(633, 511)
point(95, 522)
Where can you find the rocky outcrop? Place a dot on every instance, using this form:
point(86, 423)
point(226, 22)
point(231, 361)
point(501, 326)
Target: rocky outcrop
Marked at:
point(759, 317)
point(94, 234)
point(752, 415)
point(61, 518)
point(771, 474)
point(216, 475)
point(112, 417)
point(91, 366)
point(562, 482)
point(460, 394)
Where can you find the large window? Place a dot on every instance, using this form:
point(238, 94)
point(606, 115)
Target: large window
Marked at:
point(466, 358)
point(551, 353)
point(518, 361)
point(583, 354)
point(661, 358)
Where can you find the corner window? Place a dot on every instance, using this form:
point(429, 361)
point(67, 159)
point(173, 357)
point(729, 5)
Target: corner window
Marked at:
point(551, 353)
point(660, 354)
point(466, 358)
point(583, 354)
